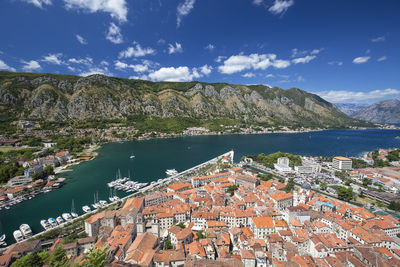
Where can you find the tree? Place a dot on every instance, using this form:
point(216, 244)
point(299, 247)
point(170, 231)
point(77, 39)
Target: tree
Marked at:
point(58, 258)
point(48, 170)
point(167, 245)
point(344, 193)
point(394, 206)
point(181, 225)
point(324, 186)
point(97, 257)
point(31, 260)
point(265, 177)
point(366, 182)
point(289, 186)
point(232, 188)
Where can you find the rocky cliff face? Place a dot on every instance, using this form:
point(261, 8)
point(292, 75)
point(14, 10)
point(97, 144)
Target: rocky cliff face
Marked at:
point(58, 97)
point(386, 111)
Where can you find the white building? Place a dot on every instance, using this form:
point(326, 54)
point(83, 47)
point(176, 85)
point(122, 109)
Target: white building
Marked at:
point(342, 163)
point(284, 161)
point(282, 168)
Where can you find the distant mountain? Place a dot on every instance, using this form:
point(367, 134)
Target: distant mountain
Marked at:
point(386, 111)
point(350, 109)
point(73, 98)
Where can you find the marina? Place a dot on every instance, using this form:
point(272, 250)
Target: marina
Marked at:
point(87, 183)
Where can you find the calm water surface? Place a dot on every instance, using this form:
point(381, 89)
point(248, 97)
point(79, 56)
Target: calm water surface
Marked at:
point(153, 157)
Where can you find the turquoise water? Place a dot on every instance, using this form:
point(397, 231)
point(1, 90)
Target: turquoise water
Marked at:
point(153, 157)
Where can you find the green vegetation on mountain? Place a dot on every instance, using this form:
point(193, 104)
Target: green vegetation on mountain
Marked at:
point(269, 160)
point(99, 101)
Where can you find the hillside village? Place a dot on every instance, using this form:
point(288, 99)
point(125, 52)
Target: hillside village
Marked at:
point(234, 218)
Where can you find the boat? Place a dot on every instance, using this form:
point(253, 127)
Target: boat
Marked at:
point(59, 220)
point(2, 238)
point(52, 222)
point(45, 224)
point(26, 230)
point(18, 236)
point(66, 216)
point(95, 205)
point(73, 213)
point(132, 156)
point(111, 197)
point(171, 172)
point(86, 209)
point(103, 203)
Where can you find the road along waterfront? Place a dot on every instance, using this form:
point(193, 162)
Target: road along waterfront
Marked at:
point(153, 157)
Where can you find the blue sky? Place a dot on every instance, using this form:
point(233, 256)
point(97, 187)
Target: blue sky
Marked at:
point(346, 51)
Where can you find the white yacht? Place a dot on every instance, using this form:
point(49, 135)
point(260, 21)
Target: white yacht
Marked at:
point(103, 203)
point(86, 209)
point(2, 238)
point(26, 230)
point(132, 156)
point(18, 235)
point(171, 172)
point(45, 224)
point(66, 216)
point(59, 220)
point(52, 222)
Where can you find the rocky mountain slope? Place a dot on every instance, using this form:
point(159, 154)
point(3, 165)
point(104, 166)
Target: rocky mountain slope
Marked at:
point(386, 111)
point(67, 98)
point(349, 108)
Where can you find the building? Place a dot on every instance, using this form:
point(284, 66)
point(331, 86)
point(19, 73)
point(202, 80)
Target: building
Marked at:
point(342, 163)
point(203, 180)
point(284, 161)
point(282, 168)
point(261, 226)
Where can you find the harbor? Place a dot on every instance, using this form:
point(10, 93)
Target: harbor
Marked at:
point(25, 233)
point(154, 157)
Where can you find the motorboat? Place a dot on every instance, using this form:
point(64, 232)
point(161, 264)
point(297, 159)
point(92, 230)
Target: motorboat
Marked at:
point(132, 156)
point(45, 224)
point(52, 222)
point(171, 172)
point(2, 238)
point(86, 209)
point(18, 235)
point(59, 220)
point(103, 203)
point(26, 230)
point(66, 216)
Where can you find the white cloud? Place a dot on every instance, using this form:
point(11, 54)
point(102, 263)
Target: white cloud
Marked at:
point(249, 75)
point(257, 2)
point(175, 49)
point(96, 70)
point(383, 58)
point(114, 34)
point(343, 96)
point(31, 65)
point(137, 51)
point(53, 59)
point(303, 60)
point(81, 39)
point(161, 41)
point(220, 58)
point(141, 77)
point(183, 9)
point(378, 39)
point(171, 74)
point(39, 3)
point(104, 63)
point(300, 78)
point(270, 75)
point(339, 63)
point(210, 47)
point(238, 63)
point(116, 8)
point(88, 61)
point(280, 6)
point(4, 66)
point(361, 60)
point(206, 70)
point(137, 67)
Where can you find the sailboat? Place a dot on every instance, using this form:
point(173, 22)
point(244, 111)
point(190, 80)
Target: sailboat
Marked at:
point(73, 213)
point(111, 197)
point(95, 205)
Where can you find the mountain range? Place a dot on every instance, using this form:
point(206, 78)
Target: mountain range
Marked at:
point(56, 97)
point(386, 111)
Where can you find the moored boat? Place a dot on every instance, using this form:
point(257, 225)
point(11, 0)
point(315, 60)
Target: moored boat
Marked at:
point(86, 209)
point(18, 236)
point(59, 220)
point(26, 230)
point(52, 222)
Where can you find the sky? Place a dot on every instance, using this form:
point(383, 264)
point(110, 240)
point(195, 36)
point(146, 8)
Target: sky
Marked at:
point(345, 51)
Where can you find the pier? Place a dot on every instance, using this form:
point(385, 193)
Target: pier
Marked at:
point(180, 176)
